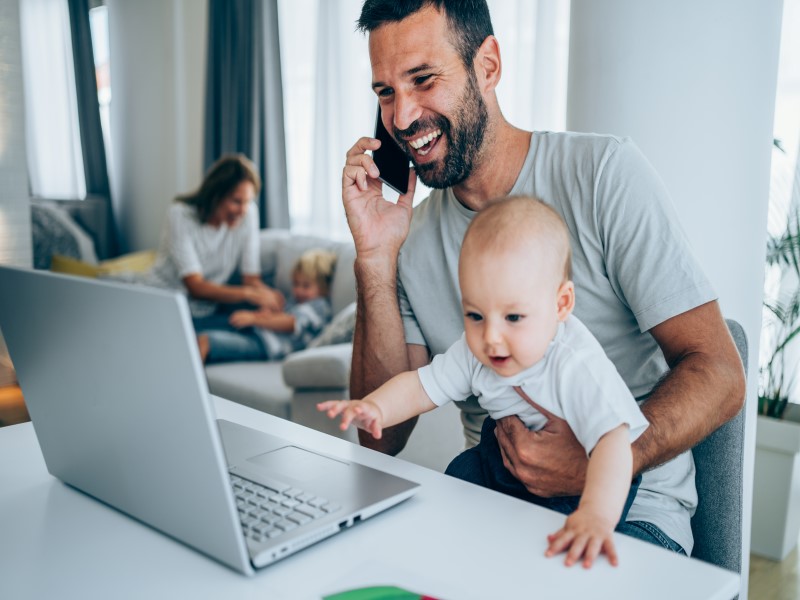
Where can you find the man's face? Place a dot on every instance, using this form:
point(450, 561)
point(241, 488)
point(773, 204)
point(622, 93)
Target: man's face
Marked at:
point(429, 101)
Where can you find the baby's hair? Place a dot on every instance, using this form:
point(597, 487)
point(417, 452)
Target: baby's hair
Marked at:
point(318, 265)
point(504, 221)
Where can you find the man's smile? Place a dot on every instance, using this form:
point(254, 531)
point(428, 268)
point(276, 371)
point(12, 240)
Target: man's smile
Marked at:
point(425, 143)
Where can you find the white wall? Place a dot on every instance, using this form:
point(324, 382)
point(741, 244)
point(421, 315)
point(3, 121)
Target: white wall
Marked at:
point(157, 86)
point(693, 83)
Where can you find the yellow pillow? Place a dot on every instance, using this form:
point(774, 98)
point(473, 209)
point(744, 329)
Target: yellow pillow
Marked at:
point(135, 262)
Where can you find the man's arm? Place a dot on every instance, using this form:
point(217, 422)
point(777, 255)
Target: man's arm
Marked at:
point(379, 229)
point(704, 389)
point(379, 348)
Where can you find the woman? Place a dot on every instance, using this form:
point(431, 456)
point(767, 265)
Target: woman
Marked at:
point(208, 234)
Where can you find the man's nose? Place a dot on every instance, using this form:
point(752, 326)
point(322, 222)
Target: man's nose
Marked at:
point(406, 111)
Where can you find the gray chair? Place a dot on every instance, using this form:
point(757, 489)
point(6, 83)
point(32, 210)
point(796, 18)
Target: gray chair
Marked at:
point(717, 524)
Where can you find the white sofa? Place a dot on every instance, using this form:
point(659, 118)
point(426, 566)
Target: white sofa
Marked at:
point(292, 387)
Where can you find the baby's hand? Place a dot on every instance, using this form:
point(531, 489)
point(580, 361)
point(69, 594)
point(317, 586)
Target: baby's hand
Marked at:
point(586, 534)
point(363, 413)
point(242, 318)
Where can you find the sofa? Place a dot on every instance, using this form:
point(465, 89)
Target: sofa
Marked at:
point(291, 388)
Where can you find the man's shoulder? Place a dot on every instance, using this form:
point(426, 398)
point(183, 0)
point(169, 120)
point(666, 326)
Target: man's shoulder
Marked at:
point(578, 142)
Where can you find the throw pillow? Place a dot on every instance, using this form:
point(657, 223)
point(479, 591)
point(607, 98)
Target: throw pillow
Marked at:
point(339, 330)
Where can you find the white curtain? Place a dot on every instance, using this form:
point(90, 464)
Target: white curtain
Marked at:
point(329, 104)
point(55, 160)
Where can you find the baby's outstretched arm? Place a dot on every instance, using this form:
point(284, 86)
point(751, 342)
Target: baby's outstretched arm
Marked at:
point(396, 401)
point(589, 530)
point(365, 414)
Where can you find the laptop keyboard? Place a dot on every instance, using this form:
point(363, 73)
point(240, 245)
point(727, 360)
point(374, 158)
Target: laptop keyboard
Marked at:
point(269, 511)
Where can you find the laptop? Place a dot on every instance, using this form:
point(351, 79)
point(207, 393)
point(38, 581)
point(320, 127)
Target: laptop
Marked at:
point(114, 385)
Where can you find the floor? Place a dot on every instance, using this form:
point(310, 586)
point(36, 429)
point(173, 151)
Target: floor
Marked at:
point(771, 580)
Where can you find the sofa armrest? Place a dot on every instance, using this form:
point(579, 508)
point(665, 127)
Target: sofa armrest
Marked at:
point(325, 367)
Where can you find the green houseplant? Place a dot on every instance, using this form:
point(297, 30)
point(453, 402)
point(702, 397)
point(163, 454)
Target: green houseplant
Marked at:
point(782, 320)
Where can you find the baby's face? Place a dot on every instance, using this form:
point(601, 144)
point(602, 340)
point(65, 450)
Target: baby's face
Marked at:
point(511, 308)
point(304, 288)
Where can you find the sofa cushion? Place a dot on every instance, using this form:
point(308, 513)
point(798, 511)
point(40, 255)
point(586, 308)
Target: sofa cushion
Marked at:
point(339, 330)
point(258, 385)
point(280, 250)
point(327, 367)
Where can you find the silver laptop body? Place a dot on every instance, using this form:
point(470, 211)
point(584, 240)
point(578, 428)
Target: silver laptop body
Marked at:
point(113, 382)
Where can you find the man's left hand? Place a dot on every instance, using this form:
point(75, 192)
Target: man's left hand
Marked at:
point(549, 462)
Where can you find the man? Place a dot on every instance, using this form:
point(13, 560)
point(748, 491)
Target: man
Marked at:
point(435, 66)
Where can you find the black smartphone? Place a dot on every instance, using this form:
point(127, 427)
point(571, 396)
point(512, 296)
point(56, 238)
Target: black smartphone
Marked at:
point(391, 161)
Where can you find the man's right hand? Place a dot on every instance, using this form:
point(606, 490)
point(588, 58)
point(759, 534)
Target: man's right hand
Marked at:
point(378, 226)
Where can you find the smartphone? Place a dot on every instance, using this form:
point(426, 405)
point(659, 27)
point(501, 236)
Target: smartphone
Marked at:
point(391, 161)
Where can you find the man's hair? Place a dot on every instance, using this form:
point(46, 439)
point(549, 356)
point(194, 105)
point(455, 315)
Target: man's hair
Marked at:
point(318, 265)
point(221, 180)
point(469, 20)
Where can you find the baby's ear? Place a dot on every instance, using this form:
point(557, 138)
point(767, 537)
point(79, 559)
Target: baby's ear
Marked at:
point(565, 300)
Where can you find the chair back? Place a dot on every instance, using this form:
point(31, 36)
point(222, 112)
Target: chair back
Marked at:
point(717, 524)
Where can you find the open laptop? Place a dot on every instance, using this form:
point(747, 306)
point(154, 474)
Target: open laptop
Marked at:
point(113, 382)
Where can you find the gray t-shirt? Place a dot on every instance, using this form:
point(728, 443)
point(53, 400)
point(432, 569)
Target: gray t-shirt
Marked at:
point(632, 268)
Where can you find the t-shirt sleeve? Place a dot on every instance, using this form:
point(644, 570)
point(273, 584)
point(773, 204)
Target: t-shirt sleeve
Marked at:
point(449, 375)
point(181, 246)
point(649, 261)
point(594, 400)
point(251, 252)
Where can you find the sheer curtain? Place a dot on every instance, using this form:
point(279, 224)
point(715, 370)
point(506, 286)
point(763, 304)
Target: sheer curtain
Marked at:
point(55, 161)
point(329, 104)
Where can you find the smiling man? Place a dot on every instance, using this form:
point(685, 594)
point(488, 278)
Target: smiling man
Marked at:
point(435, 66)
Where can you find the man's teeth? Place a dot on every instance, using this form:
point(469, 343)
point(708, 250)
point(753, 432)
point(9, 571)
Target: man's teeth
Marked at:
point(425, 139)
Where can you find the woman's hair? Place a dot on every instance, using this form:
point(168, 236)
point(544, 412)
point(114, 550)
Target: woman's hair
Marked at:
point(220, 181)
point(317, 265)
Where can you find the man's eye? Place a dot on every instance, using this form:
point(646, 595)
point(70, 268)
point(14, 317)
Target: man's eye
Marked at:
point(385, 92)
point(514, 318)
point(422, 79)
point(474, 317)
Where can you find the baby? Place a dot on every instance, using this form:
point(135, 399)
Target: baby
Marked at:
point(523, 353)
point(265, 334)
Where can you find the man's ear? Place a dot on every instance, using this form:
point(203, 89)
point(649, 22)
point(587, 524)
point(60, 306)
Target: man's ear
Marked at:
point(488, 66)
point(565, 300)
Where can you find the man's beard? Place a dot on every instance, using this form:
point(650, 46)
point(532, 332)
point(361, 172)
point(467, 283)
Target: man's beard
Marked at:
point(464, 135)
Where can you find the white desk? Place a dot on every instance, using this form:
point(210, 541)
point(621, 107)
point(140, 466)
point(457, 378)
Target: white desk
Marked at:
point(58, 543)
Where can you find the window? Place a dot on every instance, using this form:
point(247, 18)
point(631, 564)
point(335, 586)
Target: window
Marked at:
point(98, 21)
point(55, 161)
point(328, 103)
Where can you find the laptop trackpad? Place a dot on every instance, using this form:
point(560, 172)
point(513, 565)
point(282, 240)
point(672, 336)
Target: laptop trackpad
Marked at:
point(296, 463)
